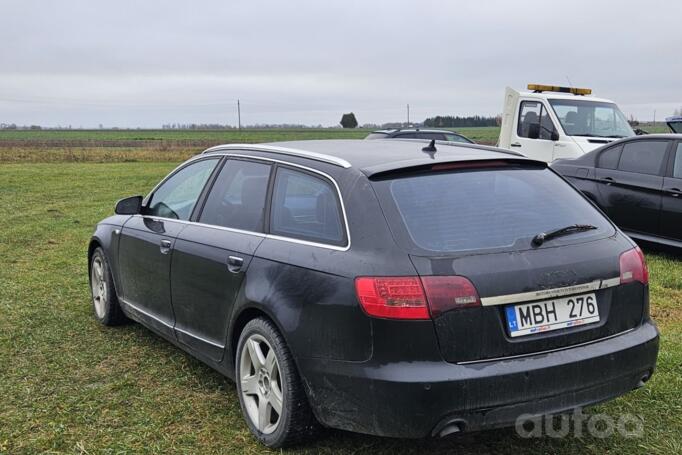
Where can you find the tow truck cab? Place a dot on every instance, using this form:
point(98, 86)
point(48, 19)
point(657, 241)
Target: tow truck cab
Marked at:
point(548, 122)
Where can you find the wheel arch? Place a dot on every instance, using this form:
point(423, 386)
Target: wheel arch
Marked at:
point(239, 321)
point(92, 246)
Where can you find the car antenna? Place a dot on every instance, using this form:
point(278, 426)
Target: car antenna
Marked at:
point(431, 148)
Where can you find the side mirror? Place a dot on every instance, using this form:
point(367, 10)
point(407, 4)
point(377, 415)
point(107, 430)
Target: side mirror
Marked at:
point(534, 131)
point(129, 206)
point(554, 136)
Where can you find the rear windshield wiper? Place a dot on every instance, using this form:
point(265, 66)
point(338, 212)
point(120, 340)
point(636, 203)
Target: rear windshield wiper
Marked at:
point(573, 228)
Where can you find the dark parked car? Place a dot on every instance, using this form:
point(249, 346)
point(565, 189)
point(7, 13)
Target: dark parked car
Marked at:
point(417, 133)
point(381, 287)
point(637, 182)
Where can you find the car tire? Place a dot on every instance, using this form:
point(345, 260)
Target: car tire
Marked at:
point(104, 300)
point(267, 379)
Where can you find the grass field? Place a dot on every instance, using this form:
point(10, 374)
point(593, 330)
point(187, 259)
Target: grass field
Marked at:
point(68, 385)
point(486, 134)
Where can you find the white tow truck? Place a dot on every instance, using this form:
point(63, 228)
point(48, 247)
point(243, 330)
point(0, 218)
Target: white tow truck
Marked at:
point(548, 122)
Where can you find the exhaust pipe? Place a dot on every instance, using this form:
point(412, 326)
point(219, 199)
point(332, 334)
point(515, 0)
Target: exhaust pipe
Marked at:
point(451, 427)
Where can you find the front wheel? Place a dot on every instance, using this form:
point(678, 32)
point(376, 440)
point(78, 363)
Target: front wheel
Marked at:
point(104, 299)
point(270, 392)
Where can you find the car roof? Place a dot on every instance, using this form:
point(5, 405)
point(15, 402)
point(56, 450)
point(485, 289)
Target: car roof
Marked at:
point(644, 137)
point(414, 130)
point(591, 155)
point(376, 156)
point(382, 155)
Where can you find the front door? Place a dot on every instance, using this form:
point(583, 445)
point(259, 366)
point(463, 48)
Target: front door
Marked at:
point(147, 241)
point(535, 132)
point(211, 257)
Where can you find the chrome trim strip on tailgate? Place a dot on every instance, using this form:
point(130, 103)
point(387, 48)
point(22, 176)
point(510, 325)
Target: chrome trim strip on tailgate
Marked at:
point(549, 293)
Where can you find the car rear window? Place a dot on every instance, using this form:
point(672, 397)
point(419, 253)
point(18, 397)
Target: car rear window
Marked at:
point(487, 208)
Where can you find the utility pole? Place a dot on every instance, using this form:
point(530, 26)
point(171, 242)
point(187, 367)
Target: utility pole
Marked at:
point(654, 117)
point(239, 116)
point(408, 115)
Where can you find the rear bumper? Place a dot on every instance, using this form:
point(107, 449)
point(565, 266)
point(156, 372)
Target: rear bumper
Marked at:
point(416, 399)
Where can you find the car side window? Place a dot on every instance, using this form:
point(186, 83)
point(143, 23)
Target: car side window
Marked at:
point(406, 135)
point(176, 197)
point(608, 159)
point(237, 199)
point(306, 207)
point(436, 136)
point(644, 157)
point(677, 170)
point(456, 138)
point(534, 121)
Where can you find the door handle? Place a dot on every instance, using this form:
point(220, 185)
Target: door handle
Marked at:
point(674, 192)
point(515, 144)
point(234, 264)
point(608, 180)
point(165, 246)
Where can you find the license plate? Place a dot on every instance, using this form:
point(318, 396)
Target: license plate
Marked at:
point(552, 314)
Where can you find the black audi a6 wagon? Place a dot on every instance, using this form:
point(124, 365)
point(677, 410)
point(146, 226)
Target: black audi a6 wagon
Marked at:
point(390, 287)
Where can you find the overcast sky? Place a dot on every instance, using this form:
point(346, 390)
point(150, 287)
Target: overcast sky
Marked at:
point(146, 63)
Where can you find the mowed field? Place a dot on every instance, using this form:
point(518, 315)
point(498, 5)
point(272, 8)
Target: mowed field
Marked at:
point(69, 385)
point(162, 145)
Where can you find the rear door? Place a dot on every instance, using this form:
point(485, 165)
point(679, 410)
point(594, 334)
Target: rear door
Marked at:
point(479, 224)
point(211, 256)
point(631, 194)
point(671, 210)
point(146, 243)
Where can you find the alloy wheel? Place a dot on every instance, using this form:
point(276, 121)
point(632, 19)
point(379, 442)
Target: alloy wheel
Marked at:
point(99, 286)
point(261, 384)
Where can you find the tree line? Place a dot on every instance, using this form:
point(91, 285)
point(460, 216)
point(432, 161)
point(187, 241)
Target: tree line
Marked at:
point(449, 121)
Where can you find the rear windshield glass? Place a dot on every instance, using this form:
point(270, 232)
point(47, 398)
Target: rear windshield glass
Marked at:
point(486, 208)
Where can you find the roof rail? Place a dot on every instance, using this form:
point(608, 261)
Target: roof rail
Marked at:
point(283, 151)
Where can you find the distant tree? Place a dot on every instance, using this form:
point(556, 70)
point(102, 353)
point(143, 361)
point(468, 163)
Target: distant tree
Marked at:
point(349, 121)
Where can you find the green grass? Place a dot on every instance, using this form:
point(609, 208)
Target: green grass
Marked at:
point(69, 385)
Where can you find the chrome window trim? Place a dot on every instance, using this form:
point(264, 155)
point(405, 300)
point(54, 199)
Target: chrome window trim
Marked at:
point(282, 150)
point(262, 234)
point(550, 293)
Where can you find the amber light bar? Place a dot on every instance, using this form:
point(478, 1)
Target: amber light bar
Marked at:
point(555, 88)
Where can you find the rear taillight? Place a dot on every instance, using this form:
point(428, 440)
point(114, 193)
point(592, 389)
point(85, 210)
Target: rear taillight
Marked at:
point(414, 297)
point(400, 297)
point(633, 267)
point(445, 293)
